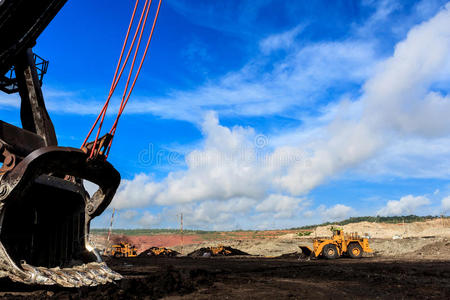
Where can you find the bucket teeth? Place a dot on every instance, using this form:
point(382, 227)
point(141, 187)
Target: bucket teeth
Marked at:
point(91, 274)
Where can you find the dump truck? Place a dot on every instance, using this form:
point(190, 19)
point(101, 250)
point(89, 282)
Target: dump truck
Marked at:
point(123, 250)
point(340, 244)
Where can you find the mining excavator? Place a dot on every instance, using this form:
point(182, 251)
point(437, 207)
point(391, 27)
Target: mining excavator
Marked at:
point(45, 210)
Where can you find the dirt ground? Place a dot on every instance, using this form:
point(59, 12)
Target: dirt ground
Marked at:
point(389, 240)
point(259, 278)
point(412, 264)
point(436, 227)
point(419, 248)
point(142, 243)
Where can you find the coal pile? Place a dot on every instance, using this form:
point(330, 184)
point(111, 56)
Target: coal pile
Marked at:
point(295, 255)
point(217, 251)
point(159, 251)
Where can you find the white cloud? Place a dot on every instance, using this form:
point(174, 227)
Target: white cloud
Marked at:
point(127, 215)
point(262, 87)
point(407, 205)
point(337, 212)
point(135, 193)
point(446, 204)
point(383, 9)
point(229, 165)
point(9, 101)
point(282, 206)
point(225, 168)
point(397, 103)
point(280, 41)
point(413, 157)
point(215, 214)
point(148, 220)
point(309, 214)
point(90, 187)
point(299, 79)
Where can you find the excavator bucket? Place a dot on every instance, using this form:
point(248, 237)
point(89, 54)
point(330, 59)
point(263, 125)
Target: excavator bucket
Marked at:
point(306, 251)
point(45, 211)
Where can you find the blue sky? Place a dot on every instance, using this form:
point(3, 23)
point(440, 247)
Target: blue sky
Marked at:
point(262, 114)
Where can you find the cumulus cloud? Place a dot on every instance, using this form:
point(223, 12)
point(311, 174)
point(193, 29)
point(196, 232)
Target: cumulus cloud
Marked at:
point(135, 193)
point(216, 214)
point(148, 220)
point(225, 168)
point(397, 102)
point(282, 206)
point(412, 157)
point(128, 214)
point(230, 165)
point(407, 205)
point(446, 204)
point(337, 212)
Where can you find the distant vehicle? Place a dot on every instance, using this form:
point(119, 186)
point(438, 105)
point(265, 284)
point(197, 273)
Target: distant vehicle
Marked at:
point(159, 251)
point(123, 250)
point(340, 244)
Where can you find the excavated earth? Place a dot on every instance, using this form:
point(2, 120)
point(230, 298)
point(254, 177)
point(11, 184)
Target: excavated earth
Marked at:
point(259, 278)
point(409, 262)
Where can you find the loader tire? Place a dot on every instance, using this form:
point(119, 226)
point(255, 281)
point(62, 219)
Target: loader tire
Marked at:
point(355, 251)
point(330, 251)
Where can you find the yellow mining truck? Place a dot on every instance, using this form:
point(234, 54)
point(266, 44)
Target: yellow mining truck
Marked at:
point(340, 244)
point(123, 250)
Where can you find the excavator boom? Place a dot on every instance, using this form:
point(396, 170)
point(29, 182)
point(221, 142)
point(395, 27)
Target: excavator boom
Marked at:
point(45, 211)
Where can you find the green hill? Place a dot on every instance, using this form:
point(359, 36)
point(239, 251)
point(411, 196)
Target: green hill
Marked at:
point(397, 219)
point(392, 220)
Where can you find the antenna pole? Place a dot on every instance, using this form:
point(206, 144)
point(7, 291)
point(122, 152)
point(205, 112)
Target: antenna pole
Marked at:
point(110, 225)
point(181, 228)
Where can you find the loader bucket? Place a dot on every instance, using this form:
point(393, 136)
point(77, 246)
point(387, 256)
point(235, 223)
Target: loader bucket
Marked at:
point(45, 214)
point(306, 251)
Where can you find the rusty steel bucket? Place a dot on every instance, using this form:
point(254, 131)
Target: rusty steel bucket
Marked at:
point(45, 211)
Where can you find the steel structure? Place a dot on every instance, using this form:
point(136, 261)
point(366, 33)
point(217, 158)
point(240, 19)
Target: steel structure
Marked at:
point(45, 211)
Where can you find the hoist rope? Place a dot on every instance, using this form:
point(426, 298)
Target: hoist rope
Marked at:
point(113, 84)
point(117, 75)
